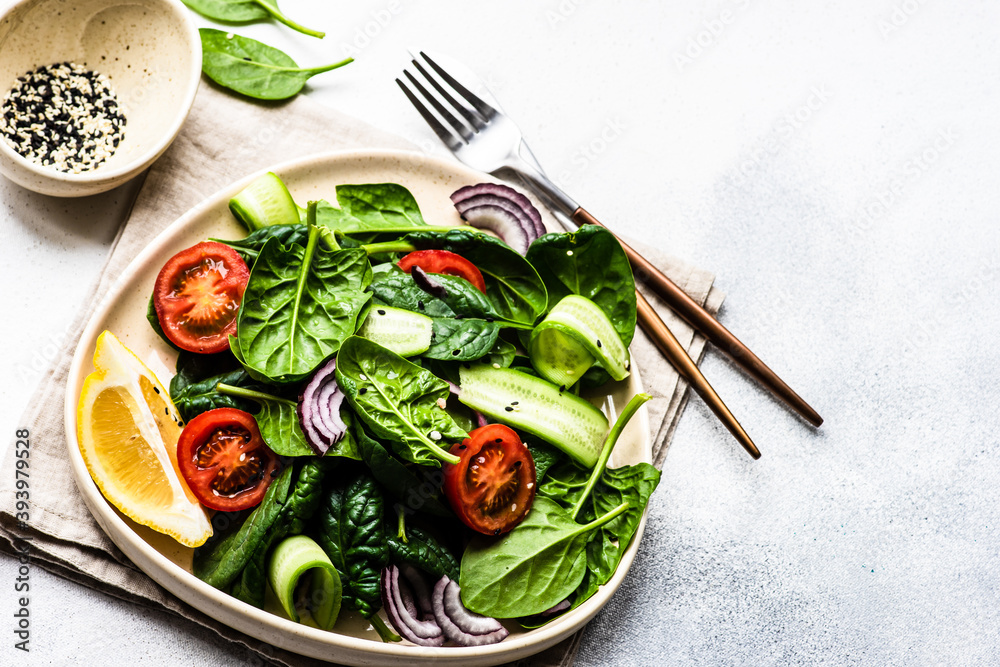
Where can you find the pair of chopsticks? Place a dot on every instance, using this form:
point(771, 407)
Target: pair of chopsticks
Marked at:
point(692, 313)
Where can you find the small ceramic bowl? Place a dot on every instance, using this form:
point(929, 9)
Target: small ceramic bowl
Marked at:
point(149, 50)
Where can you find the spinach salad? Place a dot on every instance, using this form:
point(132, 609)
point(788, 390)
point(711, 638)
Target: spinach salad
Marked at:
point(385, 413)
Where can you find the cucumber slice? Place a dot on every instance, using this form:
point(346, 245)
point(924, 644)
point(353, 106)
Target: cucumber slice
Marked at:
point(265, 202)
point(404, 332)
point(574, 335)
point(293, 558)
point(536, 406)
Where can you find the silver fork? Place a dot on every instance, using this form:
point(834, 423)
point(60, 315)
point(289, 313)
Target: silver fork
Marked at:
point(475, 128)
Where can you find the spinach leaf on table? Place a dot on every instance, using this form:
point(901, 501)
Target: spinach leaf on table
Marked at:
point(250, 246)
point(246, 11)
point(299, 305)
point(352, 534)
point(253, 68)
point(530, 569)
point(416, 489)
point(220, 560)
point(423, 551)
point(513, 286)
point(398, 400)
point(591, 263)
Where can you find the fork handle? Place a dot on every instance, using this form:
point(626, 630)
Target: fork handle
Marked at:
point(675, 353)
point(691, 312)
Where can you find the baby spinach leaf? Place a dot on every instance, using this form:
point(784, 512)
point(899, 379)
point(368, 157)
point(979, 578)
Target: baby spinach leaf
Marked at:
point(371, 208)
point(299, 305)
point(424, 552)
point(302, 503)
point(531, 568)
point(417, 489)
point(513, 286)
point(544, 456)
point(589, 262)
point(277, 420)
point(202, 396)
point(154, 322)
point(399, 290)
point(398, 400)
point(252, 68)
point(352, 534)
point(220, 560)
point(250, 246)
point(461, 340)
point(246, 11)
point(631, 484)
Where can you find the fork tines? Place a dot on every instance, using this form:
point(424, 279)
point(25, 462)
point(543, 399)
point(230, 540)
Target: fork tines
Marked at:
point(476, 116)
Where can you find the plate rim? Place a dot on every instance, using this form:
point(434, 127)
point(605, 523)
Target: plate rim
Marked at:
point(174, 578)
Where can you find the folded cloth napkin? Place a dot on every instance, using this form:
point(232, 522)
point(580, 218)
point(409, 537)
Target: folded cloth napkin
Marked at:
point(223, 140)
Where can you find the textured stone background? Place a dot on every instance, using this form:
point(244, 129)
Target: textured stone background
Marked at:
point(836, 165)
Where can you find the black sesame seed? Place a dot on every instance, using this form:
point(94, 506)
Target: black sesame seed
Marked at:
point(462, 447)
point(363, 391)
point(509, 409)
point(381, 312)
point(456, 352)
point(156, 389)
point(499, 441)
point(420, 305)
point(517, 464)
point(513, 402)
point(598, 342)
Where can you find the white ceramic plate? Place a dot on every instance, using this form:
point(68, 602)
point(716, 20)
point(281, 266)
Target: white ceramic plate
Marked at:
point(123, 312)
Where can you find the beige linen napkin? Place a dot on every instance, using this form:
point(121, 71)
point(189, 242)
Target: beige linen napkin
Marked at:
point(223, 140)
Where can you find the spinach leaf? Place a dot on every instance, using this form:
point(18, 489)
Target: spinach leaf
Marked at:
point(631, 484)
point(502, 353)
point(154, 322)
point(277, 419)
point(513, 286)
point(398, 400)
point(589, 262)
point(203, 396)
point(371, 208)
point(253, 68)
point(544, 455)
point(424, 552)
point(246, 11)
point(352, 534)
point(399, 290)
point(301, 505)
point(533, 567)
point(461, 340)
point(220, 560)
point(416, 489)
point(250, 246)
point(299, 305)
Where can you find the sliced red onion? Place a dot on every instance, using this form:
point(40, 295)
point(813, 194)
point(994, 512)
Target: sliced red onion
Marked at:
point(556, 609)
point(397, 598)
point(504, 192)
point(502, 210)
point(428, 284)
point(480, 418)
point(421, 591)
point(319, 409)
point(454, 388)
point(458, 623)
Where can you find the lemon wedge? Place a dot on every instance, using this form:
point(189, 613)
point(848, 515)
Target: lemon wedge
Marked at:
point(127, 428)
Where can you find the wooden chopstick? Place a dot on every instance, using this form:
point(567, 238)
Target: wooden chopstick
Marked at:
point(691, 312)
point(675, 353)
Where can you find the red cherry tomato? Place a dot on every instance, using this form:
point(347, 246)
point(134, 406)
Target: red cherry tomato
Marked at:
point(491, 489)
point(197, 296)
point(448, 263)
point(225, 461)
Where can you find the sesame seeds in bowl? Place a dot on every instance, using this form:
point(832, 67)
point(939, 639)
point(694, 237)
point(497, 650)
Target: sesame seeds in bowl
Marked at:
point(92, 91)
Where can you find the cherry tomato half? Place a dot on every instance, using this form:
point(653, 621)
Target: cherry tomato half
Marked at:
point(443, 261)
point(225, 461)
point(491, 489)
point(197, 296)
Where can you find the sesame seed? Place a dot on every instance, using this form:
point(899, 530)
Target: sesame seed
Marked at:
point(63, 116)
